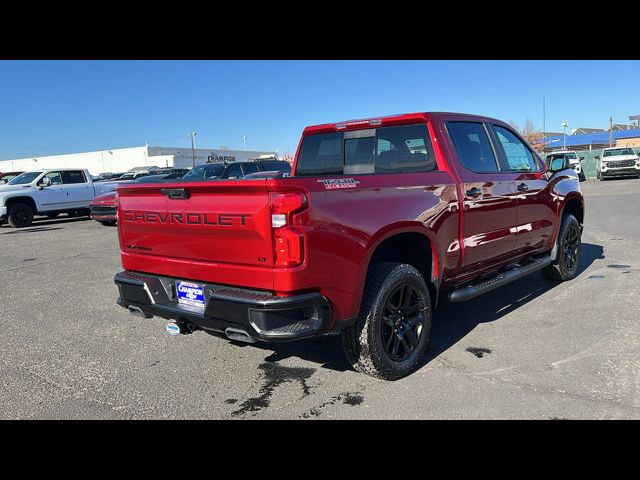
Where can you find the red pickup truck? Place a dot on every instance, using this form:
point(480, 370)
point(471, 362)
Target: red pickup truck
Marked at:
point(379, 218)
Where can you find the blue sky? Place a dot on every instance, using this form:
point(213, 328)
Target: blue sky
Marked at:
point(52, 107)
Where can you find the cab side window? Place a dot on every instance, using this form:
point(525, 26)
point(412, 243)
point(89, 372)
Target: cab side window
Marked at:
point(235, 171)
point(472, 146)
point(517, 156)
point(73, 176)
point(55, 178)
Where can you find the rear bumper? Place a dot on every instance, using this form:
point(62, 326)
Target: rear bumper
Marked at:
point(260, 315)
point(99, 212)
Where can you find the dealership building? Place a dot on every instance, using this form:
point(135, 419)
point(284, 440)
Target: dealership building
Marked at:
point(123, 159)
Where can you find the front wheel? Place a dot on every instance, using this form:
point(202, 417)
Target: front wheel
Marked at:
point(392, 332)
point(20, 215)
point(569, 245)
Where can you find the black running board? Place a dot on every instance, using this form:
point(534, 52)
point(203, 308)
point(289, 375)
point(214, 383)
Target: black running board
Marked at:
point(471, 291)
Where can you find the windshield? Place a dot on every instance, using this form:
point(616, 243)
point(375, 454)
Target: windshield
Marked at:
point(202, 172)
point(24, 178)
point(618, 151)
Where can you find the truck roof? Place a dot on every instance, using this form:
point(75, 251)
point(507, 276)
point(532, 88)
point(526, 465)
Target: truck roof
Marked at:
point(55, 169)
point(389, 120)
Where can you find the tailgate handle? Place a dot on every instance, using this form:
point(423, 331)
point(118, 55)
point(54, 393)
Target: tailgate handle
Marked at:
point(175, 193)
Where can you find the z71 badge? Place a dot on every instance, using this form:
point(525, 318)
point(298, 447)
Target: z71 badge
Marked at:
point(334, 183)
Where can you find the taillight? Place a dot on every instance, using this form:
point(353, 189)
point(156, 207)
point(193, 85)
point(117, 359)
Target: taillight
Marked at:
point(288, 240)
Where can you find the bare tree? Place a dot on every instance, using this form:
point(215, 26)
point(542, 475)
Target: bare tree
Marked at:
point(528, 128)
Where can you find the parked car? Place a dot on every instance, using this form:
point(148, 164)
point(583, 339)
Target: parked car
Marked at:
point(617, 162)
point(172, 170)
point(103, 207)
point(266, 174)
point(379, 219)
point(47, 192)
point(7, 176)
point(131, 176)
point(234, 170)
point(104, 177)
point(576, 162)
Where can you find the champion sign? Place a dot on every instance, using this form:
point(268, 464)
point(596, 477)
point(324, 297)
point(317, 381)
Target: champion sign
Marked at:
point(190, 293)
point(215, 158)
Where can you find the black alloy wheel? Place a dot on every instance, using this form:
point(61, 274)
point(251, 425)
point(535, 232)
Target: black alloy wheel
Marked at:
point(570, 245)
point(403, 322)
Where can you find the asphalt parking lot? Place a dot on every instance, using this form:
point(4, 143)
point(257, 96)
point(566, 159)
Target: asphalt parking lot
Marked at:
point(531, 350)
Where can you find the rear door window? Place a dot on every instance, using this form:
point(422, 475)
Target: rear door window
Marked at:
point(235, 171)
point(250, 168)
point(472, 146)
point(73, 176)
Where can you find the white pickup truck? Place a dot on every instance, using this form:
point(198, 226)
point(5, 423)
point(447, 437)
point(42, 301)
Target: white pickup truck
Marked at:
point(48, 192)
point(617, 162)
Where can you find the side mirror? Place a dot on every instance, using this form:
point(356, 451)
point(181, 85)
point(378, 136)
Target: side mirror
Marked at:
point(44, 182)
point(558, 164)
point(597, 157)
point(581, 158)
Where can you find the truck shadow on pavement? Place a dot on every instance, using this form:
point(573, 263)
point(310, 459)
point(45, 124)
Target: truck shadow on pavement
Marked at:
point(41, 224)
point(451, 322)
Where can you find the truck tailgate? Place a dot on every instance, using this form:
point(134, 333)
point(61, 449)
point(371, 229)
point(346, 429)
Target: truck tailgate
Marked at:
point(218, 231)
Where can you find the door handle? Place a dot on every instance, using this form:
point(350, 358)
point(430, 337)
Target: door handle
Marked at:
point(523, 187)
point(474, 192)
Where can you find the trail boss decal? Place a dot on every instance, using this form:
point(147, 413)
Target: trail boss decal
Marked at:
point(335, 183)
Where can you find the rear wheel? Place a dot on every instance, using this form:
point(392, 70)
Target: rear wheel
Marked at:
point(392, 332)
point(565, 266)
point(20, 215)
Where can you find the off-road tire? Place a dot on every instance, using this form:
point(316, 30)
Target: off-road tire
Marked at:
point(363, 341)
point(562, 269)
point(20, 215)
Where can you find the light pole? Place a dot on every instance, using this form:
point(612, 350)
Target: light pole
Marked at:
point(193, 149)
point(564, 129)
point(244, 142)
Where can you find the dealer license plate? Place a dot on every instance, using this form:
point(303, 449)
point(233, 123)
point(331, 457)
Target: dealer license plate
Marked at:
point(190, 293)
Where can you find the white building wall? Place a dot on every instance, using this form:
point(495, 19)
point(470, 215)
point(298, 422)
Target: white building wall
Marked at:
point(182, 157)
point(123, 159)
point(116, 160)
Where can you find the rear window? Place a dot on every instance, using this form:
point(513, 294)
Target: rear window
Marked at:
point(400, 149)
